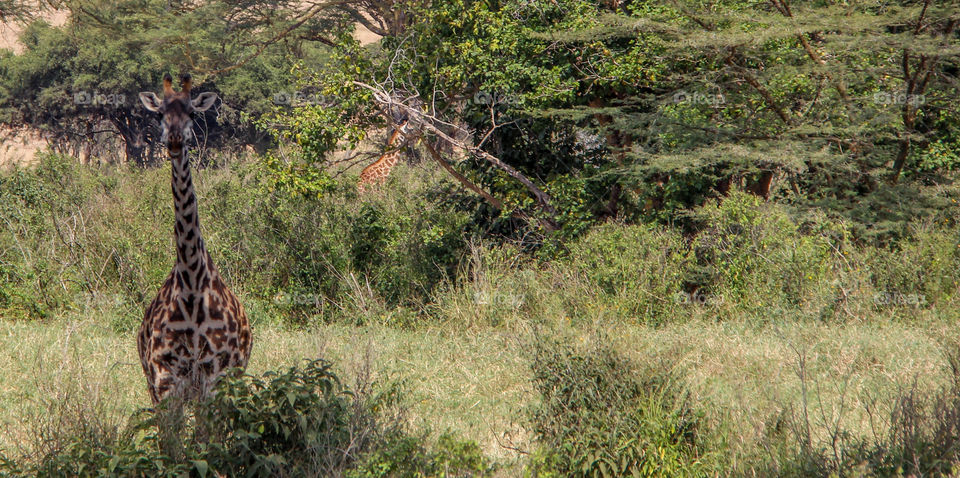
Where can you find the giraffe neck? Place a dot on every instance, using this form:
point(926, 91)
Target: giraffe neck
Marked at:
point(380, 169)
point(192, 269)
point(390, 158)
point(388, 161)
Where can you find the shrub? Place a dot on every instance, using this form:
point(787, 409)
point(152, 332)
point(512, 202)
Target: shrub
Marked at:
point(76, 237)
point(756, 257)
point(282, 423)
point(406, 456)
point(639, 270)
point(595, 418)
point(919, 271)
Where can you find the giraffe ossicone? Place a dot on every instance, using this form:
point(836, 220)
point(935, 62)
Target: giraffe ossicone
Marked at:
point(195, 330)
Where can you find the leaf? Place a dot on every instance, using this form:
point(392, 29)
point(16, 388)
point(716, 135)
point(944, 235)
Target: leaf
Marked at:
point(114, 462)
point(202, 467)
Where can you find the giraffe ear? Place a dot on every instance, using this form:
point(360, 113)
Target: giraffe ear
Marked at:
point(151, 101)
point(204, 101)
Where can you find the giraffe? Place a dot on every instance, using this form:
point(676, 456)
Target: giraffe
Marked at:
point(379, 171)
point(195, 329)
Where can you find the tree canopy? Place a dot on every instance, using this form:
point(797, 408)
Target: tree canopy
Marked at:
point(637, 109)
point(557, 114)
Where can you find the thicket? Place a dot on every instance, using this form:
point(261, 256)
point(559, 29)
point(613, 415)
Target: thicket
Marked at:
point(77, 238)
point(598, 417)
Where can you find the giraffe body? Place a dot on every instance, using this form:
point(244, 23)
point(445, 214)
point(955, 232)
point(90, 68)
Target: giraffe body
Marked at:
point(378, 171)
point(195, 329)
point(188, 339)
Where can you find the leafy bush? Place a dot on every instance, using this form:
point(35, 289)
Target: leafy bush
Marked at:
point(287, 254)
point(639, 269)
point(404, 456)
point(754, 256)
point(62, 245)
point(595, 418)
point(920, 271)
point(292, 423)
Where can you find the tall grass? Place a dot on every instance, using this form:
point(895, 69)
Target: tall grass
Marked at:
point(796, 349)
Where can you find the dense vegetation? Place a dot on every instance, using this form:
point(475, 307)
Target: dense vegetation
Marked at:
point(580, 174)
point(756, 264)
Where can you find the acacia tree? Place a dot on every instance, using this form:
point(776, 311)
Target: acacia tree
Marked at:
point(830, 99)
point(637, 109)
point(19, 11)
point(79, 82)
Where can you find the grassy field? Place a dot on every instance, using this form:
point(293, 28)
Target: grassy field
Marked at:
point(476, 382)
point(803, 352)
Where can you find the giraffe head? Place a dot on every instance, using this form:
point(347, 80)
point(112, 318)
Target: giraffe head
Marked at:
point(176, 110)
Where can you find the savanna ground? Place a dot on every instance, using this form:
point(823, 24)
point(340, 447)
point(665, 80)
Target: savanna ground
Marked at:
point(799, 359)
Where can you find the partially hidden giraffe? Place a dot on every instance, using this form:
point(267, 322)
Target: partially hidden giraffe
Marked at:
point(195, 329)
point(378, 172)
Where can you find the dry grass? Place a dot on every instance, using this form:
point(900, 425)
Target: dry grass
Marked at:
point(473, 385)
point(750, 378)
point(476, 381)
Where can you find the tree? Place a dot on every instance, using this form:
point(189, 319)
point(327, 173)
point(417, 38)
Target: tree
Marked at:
point(79, 82)
point(638, 109)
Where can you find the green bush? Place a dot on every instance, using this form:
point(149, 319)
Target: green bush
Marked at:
point(281, 423)
point(639, 270)
point(920, 271)
point(73, 235)
point(753, 256)
point(596, 418)
point(95, 242)
point(79, 238)
point(406, 456)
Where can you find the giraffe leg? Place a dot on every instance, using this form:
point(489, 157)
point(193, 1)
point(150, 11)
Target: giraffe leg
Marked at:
point(163, 380)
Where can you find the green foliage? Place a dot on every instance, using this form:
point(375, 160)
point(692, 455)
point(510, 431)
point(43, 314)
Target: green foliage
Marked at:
point(282, 423)
point(920, 272)
point(577, 94)
point(405, 456)
point(292, 245)
point(79, 82)
point(641, 270)
point(751, 253)
point(596, 418)
point(306, 250)
point(62, 244)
